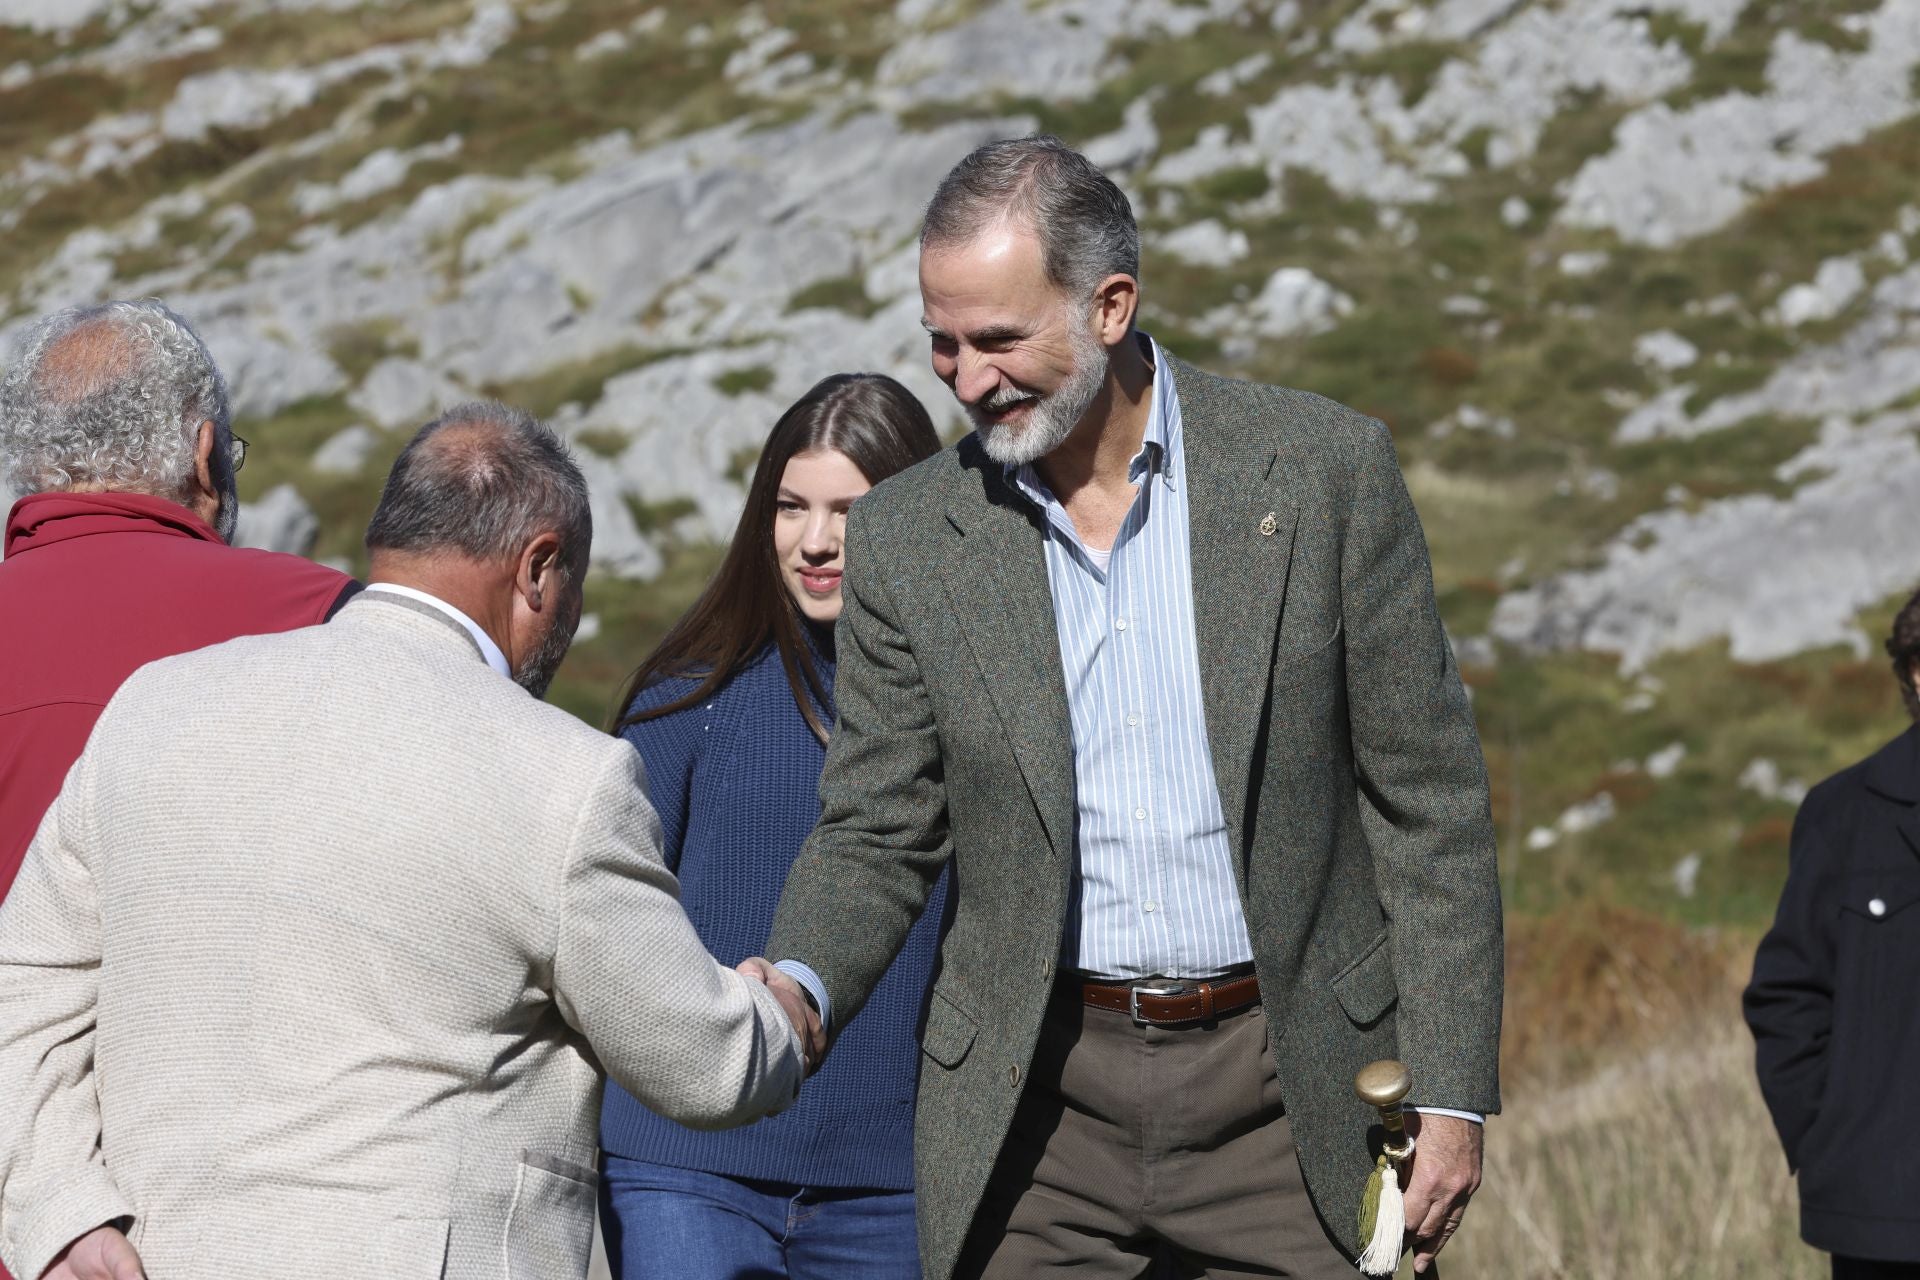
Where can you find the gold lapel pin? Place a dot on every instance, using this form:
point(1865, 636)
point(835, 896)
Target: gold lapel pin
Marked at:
point(1268, 525)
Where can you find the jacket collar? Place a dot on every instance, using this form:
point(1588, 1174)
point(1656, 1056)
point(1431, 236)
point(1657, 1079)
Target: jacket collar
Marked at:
point(43, 519)
point(1894, 770)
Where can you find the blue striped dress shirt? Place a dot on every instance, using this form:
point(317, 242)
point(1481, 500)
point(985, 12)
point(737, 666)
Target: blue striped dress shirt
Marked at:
point(1153, 889)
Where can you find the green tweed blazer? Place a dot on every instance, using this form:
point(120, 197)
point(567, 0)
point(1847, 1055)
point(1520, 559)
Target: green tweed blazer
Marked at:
point(1342, 741)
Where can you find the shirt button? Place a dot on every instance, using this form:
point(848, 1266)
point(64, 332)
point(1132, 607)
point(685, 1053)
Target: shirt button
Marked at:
point(1878, 907)
point(1119, 624)
point(1149, 906)
point(1013, 1075)
point(1132, 721)
point(1139, 815)
point(1046, 968)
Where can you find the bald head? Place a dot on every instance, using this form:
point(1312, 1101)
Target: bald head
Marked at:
point(113, 397)
point(480, 481)
point(486, 510)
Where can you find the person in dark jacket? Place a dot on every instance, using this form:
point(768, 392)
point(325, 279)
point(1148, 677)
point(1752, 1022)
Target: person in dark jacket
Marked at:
point(115, 424)
point(731, 715)
point(1835, 1000)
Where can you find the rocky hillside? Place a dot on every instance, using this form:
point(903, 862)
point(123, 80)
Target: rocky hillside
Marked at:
point(1629, 279)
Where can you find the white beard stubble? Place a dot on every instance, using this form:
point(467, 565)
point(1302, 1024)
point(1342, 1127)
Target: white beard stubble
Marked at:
point(1053, 416)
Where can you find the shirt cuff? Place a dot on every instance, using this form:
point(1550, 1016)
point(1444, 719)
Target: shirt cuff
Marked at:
point(1473, 1116)
point(808, 979)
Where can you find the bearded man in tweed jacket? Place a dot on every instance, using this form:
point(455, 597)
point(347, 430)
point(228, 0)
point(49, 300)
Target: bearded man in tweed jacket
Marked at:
point(1152, 658)
point(317, 960)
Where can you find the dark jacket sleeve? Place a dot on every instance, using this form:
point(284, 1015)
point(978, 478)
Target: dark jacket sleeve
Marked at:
point(865, 874)
point(1789, 1004)
point(1423, 793)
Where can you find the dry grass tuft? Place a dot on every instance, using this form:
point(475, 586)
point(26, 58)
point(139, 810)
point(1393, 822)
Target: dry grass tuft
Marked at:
point(1655, 1169)
point(1634, 1144)
point(1593, 981)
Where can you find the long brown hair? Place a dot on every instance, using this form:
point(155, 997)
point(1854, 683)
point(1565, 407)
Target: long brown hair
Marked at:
point(882, 429)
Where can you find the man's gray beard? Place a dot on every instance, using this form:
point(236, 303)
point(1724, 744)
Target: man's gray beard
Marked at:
point(537, 672)
point(1054, 416)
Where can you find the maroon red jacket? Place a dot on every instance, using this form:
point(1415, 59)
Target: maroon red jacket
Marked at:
point(96, 584)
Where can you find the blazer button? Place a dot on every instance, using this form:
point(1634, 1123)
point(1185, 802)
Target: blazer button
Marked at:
point(1013, 1075)
point(1878, 907)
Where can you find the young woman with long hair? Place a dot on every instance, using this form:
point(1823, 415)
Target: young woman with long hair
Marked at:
point(731, 714)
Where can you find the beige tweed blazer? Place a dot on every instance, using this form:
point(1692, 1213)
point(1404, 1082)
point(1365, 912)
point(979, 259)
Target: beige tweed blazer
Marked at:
point(315, 963)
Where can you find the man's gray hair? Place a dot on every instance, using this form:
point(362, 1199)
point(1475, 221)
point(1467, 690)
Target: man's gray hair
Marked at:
point(112, 397)
point(1083, 221)
point(484, 479)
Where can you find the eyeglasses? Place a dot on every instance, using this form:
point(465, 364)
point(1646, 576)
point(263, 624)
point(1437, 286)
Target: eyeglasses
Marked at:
point(236, 452)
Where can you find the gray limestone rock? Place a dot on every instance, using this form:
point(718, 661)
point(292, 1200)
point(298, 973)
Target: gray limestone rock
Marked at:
point(400, 392)
point(1837, 283)
point(1874, 365)
point(346, 452)
point(1674, 174)
point(1769, 576)
point(1664, 349)
point(1294, 301)
point(280, 521)
point(1205, 244)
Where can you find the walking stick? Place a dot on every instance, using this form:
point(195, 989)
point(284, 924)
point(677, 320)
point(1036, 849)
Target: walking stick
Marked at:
point(1383, 1215)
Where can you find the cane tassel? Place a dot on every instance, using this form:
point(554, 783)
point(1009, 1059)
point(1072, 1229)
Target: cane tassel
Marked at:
point(1383, 1214)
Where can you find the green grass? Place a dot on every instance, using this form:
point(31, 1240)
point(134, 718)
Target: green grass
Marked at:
point(579, 383)
point(633, 617)
point(607, 442)
point(738, 382)
point(840, 293)
point(1554, 728)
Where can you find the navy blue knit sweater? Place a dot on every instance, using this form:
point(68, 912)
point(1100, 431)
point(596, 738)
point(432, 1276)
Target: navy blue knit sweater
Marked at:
point(735, 779)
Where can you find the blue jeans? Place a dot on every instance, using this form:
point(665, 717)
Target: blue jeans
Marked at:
point(664, 1223)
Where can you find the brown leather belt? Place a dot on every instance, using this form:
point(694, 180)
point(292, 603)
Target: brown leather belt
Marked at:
point(1170, 1003)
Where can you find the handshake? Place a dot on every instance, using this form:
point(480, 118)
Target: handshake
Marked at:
point(800, 1010)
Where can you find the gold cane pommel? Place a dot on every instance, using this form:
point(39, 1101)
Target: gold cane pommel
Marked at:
point(1383, 1084)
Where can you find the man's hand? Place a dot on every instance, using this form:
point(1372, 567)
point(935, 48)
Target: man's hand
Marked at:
point(101, 1254)
point(813, 1040)
point(1446, 1173)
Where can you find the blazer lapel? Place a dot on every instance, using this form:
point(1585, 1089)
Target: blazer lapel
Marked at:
point(996, 578)
point(1241, 522)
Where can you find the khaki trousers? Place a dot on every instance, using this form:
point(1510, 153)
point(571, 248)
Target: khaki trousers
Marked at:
point(1137, 1143)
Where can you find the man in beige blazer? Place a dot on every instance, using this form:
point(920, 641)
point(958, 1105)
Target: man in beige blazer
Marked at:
point(316, 962)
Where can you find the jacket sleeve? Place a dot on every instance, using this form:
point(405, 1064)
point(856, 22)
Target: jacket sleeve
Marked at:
point(54, 1184)
point(1789, 1003)
point(1423, 794)
point(866, 873)
point(690, 1038)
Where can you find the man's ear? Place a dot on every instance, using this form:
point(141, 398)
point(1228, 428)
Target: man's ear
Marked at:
point(540, 570)
point(1116, 301)
point(205, 441)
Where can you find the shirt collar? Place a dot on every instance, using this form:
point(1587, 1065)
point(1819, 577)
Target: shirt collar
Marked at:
point(488, 649)
point(1158, 444)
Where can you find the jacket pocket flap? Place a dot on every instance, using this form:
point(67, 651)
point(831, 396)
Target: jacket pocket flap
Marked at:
point(949, 1034)
point(1879, 895)
point(1365, 988)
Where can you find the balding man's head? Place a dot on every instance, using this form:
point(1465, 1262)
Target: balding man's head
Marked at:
point(486, 502)
point(115, 397)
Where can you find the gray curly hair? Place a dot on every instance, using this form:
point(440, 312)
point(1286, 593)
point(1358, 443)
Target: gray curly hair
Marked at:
point(109, 396)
